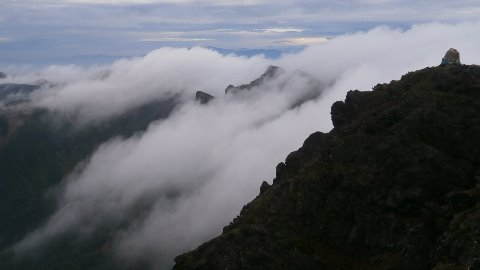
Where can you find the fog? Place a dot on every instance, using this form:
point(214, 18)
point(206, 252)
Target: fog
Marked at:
point(177, 184)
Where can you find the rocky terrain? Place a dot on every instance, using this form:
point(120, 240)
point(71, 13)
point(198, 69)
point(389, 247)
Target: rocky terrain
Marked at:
point(395, 185)
point(203, 97)
point(271, 73)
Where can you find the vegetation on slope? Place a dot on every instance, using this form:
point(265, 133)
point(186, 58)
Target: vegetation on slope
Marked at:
point(395, 185)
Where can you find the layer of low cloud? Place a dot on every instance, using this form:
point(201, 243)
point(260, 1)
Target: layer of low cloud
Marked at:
point(196, 169)
point(176, 39)
point(304, 41)
point(283, 30)
point(101, 92)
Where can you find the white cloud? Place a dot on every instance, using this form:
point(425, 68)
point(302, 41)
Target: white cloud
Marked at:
point(4, 39)
point(133, 82)
point(141, 2)
point(197, 168)
point(176, 39)
point(283, 30)
point(305, 41)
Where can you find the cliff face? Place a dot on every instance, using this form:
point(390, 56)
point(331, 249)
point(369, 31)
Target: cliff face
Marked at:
point(395, 185)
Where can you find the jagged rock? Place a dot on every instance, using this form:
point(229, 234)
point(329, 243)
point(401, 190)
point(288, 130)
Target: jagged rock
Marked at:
point(452, 56)
point(42, 83)
point(203, 97)
point(271, 73)
point(264, 187)
point(395, 185)
point(3, 75)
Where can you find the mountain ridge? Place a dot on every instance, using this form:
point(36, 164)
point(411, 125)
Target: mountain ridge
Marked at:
point(394, 185)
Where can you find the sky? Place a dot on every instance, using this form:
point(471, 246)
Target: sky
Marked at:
point(64, 31)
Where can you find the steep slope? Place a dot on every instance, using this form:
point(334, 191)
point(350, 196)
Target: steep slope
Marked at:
point(395, 185)
point(38, 149)
point(271, 73)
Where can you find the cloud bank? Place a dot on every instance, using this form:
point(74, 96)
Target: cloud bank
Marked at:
point(191, 173)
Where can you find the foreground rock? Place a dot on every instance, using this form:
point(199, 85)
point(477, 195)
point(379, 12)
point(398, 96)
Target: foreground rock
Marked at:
point(395, 185)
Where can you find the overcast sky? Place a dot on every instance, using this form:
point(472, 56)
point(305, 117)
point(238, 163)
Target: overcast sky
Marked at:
point(31, 30)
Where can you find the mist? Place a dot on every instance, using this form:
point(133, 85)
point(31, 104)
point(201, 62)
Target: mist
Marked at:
point(177, 184)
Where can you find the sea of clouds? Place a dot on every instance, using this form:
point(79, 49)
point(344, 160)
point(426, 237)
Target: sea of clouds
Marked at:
point(191, 173)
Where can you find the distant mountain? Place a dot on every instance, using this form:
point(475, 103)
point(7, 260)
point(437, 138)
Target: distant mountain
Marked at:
point(203, 97)
point(11, 93)
point(38, 149)
point(395, 185)
point(271, 73)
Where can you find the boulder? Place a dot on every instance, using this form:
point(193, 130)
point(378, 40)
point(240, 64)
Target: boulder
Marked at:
point(452, 56)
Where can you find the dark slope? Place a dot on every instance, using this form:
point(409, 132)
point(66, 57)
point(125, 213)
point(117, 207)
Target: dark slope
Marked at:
point(11, 93)
point(203, 97)
point(271, 73)
point(38, 149)
point(395, 185)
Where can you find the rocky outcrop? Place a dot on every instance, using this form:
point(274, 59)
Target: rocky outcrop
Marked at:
point(203, 97)
point(395, 185)
point(3, 75)
point(452, 56)
point(271, 73)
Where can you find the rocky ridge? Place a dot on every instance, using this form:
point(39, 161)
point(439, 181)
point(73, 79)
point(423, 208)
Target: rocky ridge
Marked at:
point(272, 72)
point(395, 185)
point(203, 97)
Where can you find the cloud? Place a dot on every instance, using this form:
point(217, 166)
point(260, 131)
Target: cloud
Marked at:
point(283, 30)
point(196, 169)
point(176, 39)
point(305, 41)
point(143, 2)
point(161, 74)
point(4, 39)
